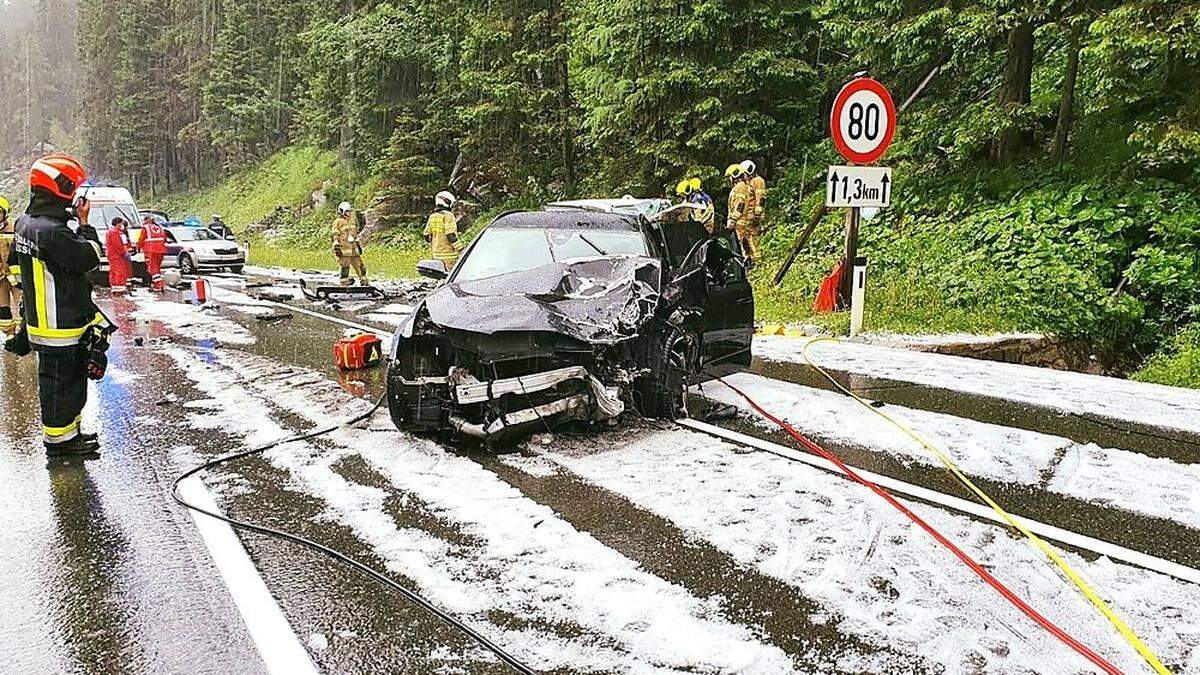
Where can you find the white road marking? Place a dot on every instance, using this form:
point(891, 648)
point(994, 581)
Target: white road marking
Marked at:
point(277, 643)
point(978, 510)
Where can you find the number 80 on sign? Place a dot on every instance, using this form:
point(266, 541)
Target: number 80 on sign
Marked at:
point(863, 121)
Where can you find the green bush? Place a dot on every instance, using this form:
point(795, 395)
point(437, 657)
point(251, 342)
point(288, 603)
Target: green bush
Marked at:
point(1177, 362)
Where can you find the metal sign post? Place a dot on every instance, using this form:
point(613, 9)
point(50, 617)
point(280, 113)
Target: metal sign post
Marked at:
point(862, 123)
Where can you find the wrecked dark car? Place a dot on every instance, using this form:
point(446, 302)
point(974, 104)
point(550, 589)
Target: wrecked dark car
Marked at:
point(575, 313)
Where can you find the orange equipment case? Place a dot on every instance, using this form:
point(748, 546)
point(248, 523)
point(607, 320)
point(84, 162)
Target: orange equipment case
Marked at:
point(361, 350)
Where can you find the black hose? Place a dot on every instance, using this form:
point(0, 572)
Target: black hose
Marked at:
point(410, 595)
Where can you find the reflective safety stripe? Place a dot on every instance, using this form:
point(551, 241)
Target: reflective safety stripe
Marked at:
point(61, 337)
point(39, 291)
point(61, 434)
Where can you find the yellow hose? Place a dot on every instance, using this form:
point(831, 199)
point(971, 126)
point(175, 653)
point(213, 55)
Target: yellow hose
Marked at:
point(1122, 628)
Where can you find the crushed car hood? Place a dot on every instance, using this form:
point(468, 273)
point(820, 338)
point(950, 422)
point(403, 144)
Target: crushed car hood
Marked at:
point(600, 300)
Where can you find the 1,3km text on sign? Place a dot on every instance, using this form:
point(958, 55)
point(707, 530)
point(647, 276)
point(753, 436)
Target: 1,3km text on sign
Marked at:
point(858, 186)
point(863, 121)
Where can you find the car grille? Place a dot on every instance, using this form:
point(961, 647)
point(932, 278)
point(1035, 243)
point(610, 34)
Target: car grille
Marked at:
point(225, 251)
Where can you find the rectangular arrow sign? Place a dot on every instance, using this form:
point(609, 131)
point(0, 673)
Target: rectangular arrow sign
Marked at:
point(858, 186)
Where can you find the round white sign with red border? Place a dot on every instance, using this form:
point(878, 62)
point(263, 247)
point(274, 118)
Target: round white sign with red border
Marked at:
point(863, 121)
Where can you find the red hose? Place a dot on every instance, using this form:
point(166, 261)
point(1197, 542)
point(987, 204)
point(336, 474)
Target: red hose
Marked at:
point(992, 581)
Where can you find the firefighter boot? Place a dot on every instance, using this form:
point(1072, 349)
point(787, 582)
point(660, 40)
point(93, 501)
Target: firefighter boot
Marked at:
point(76, 447)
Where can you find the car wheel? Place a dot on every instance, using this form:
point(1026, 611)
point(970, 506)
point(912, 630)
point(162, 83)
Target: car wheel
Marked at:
point(663, 391)
point(186, 264)
point(237, 269)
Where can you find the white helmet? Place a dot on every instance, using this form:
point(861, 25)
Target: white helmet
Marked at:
point(344, 207)
point(749, 167)
point(445, 199)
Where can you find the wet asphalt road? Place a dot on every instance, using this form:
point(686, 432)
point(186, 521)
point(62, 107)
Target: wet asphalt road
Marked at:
point(106, 574)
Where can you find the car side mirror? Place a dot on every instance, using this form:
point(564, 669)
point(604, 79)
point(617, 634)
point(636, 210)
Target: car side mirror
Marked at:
point(432, 269)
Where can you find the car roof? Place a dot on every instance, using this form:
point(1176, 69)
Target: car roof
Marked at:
point(627, 204)
point(567, 219)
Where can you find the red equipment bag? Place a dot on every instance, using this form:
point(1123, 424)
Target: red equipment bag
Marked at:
point(361, 350)
point(827, 297)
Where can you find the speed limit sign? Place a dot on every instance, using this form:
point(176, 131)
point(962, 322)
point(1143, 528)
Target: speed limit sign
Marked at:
point(863, 121)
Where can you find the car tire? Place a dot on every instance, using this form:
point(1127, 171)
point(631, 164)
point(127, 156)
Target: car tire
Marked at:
point(237, 269)
point(662, 392)
point(186, 264)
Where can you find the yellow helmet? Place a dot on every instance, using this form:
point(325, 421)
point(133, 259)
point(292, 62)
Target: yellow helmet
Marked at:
point(695, 184)
point(735, 171)
point(684, 188)
point(4, 205)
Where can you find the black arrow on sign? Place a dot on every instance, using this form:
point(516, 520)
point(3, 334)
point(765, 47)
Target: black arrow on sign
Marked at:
point(885, 188)
point(833, 181)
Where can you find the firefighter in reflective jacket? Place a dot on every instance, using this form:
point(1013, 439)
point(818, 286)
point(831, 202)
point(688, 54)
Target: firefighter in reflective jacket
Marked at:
point(758, 187)
point(346, 247)
point(741, 211)
point(61, 321)
point(152, 242)
point(10, 276)
point(119, 254)
point(441, 230)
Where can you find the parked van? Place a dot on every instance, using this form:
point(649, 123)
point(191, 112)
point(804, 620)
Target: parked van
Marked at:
point(108, 203)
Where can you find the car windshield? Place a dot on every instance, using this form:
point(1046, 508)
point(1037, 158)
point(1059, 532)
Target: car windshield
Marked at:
point(503, 249)
point(193, 234)
point(102, 215)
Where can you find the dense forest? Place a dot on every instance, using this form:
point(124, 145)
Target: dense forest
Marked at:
point(1048, 155)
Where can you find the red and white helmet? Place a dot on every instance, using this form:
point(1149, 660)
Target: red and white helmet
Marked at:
point(60, 175)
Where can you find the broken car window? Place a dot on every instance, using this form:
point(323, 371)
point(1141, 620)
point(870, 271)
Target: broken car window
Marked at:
point(503, 250)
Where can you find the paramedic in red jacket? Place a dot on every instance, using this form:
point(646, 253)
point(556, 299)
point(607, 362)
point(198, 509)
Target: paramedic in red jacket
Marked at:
point(153, 242)
point(119, 254)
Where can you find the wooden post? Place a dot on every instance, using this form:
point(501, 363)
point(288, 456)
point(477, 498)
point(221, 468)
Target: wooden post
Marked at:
point(813, 221)
point(851, 252)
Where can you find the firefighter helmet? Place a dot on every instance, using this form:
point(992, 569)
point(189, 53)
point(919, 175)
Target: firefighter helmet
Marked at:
point(60, 175)
point(735, 172)
point(445, 199)
point(749, 167)
point(684, 188)
point(4, 205)
point(344, 207)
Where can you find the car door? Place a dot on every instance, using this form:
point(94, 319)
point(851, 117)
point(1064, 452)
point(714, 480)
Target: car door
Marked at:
point(729, 314)
point(174, 248)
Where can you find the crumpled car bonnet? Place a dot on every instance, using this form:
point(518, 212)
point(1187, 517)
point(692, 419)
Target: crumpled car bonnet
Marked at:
point(600, 300)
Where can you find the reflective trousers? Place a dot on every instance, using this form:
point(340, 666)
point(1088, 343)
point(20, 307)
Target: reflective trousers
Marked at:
point(62, 391)
point(10, 308)
point(352, 261)
point(154, 269)
point(747, 234)
point(118, 275)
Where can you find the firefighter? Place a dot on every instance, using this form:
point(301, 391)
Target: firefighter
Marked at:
point(758, 186)
point(740, 211)
point(62, 323)
point(152, 242)
point(691, 191)
point(10, 276)
point(441, 230)
point(120, 255)
point(346, 247)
